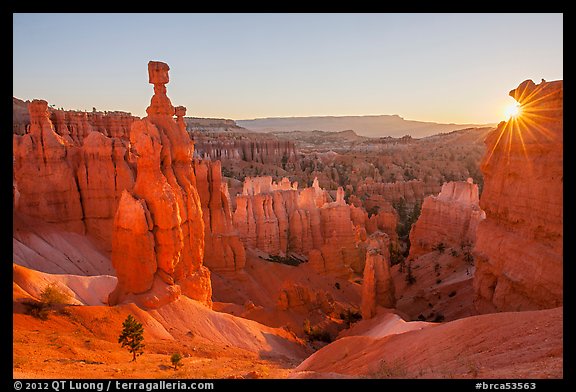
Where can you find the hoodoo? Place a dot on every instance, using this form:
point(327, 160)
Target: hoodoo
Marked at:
point(162, 215)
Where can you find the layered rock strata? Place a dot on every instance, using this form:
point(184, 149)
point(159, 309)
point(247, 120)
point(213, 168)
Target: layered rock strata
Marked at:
point(450, 218)
point(260, 150)
point(411, 191)
point(281, 220)
point(59, 181)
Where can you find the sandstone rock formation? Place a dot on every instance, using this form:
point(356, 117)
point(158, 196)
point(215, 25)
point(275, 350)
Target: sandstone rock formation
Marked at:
point(75, 125)
point(519, 245)
point(102, 175)
point(302, 298)
point(75, 186)
point(411, 191)
point(377, 286)
point(450, 218)
point(44, 173)
point(243, 147)
point(158, 227)
point(281, 220)
point(223, 249)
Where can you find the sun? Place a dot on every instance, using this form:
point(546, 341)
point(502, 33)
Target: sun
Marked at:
point(513, 111)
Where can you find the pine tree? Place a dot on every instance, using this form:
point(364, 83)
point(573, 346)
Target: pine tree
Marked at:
point(175, 359)
point(132, 336)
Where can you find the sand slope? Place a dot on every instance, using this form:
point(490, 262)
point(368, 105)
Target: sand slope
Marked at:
point(500, 345)
point(45, 248)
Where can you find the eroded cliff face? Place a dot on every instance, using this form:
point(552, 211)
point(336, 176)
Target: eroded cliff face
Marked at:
point(76, 186)
point(281, 220)
point(450, 218)
point(242, 147)
point(223, 249)
point(411, 191)
point(377, 285)
point(44, 173)
point(160, 255)
point(519, 245)
point(75, 125)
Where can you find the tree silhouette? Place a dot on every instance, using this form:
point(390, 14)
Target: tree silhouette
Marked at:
point(132, 336)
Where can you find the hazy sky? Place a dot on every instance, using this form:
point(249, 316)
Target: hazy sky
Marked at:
point(430, 67)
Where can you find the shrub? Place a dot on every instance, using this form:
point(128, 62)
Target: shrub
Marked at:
point(289, 260)
point(350, 316)
point(468, 258)
point(52, 295)
point(314, 333)
point(440, 247)
point(38, 310)
point(410, 279)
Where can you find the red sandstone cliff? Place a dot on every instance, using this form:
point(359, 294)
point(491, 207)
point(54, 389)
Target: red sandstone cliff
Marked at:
point(75, 125)
point(44, 173)
point(411, 191)
point(281, 220)
point(223, 249)
point(450, 218)
point(240, 146)
point(519, 245)
point(77, 187)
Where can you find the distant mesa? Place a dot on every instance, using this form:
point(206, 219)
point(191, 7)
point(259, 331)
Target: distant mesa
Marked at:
point(371, 126)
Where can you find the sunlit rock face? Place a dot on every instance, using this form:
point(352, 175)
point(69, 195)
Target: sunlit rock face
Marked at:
point(451, 218)
point(282, 220)
point(165, 209)
point(223, 249)
point(73, 183)
point(519, 246)
point(44, 173)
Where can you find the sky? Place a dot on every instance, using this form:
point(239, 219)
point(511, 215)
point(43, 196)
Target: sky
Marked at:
point(448, 68)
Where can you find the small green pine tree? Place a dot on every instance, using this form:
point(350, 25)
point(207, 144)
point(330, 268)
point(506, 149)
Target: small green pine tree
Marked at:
point(175, 359)
point(132, 336)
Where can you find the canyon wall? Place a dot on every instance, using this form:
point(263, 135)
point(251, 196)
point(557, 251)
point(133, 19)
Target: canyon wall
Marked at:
point(450, 218)
point(70, 169)
point(281, 220)
point(75, 125)
point(45, 166)
point(158, 227)
point(411, 191)
point(519, 246)
point(239, 146)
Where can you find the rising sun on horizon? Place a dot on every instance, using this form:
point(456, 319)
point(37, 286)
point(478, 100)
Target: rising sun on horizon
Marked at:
point(512, 111)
